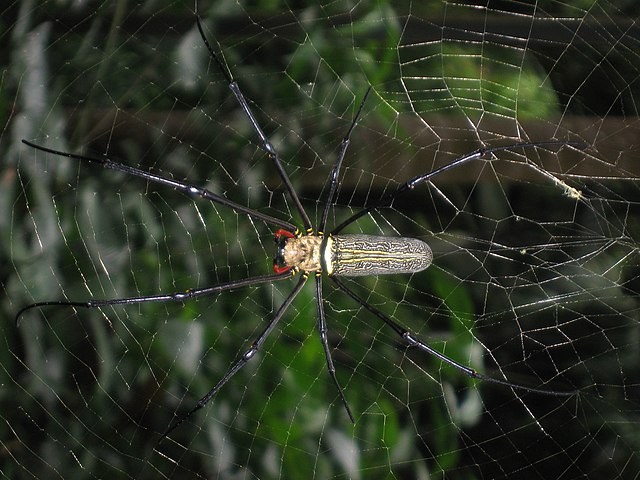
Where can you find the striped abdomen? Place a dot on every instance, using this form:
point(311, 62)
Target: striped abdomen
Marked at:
point(357, 255)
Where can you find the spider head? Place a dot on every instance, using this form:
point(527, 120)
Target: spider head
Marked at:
point(281, 238)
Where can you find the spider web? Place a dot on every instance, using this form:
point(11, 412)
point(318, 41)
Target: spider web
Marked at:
point(535, 273)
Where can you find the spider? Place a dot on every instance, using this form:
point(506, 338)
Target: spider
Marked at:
point(309, 252)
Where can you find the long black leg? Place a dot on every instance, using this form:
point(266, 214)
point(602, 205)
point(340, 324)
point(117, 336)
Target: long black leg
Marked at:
point(386, 200)
point(248, 355)
point(322, 329)
point(412, 340)
point(266, 144)
point(336, 168)
point(175, 184)
point(170, 297)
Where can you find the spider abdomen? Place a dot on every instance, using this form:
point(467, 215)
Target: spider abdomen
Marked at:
point(358, 255)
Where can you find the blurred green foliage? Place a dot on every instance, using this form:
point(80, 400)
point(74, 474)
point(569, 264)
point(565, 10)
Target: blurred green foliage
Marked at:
point(90, 391)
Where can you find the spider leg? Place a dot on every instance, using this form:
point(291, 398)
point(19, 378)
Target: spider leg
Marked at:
point(387, 200)
point(267, 146)
point(336, 168)
point(244, 359)
point(170, 182)
point(412, 340)
point(322, 329)
point(169, 297)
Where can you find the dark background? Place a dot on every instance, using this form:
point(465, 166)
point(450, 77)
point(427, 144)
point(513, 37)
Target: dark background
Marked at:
point(534, 279)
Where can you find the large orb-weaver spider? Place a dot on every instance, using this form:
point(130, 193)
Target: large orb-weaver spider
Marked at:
point(309, 252)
